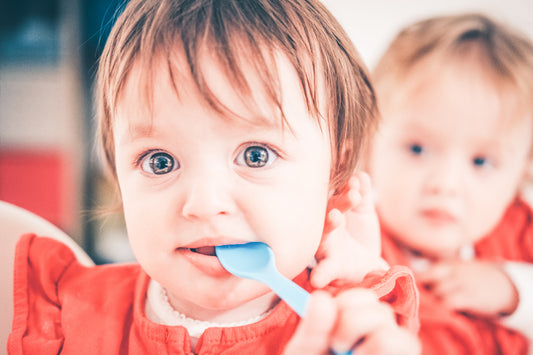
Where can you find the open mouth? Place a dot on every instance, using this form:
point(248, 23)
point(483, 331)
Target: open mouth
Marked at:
point(207, 250)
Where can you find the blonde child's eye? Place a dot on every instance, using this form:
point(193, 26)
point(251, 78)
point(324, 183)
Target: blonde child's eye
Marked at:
point(482, 162)
point(416, 149)
point(256, 156)
point(479, 161)
point(159, 163)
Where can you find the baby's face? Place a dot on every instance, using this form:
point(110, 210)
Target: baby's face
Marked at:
point(191, 179)
point(445, 164)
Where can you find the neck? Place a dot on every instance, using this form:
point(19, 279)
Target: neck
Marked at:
point(243, 312)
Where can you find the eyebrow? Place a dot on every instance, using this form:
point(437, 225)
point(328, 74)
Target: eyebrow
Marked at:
point(150, 129)
point(134, 132)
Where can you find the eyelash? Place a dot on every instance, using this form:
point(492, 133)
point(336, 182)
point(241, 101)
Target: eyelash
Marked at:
point(137, 161)
point(140, 159)
point(269, 151)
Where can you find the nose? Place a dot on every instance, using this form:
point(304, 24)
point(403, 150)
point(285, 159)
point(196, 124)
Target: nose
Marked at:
point(207, 195)
point(444, 178)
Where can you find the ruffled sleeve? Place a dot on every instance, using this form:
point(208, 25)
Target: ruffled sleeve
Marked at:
point(397, 287)
point(39, 265)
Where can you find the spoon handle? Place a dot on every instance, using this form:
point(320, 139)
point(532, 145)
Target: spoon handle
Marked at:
point(294, 295)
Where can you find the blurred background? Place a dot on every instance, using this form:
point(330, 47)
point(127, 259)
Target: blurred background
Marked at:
point(48, 56)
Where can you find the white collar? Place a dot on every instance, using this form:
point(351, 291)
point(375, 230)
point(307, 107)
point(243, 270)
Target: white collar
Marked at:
point(159, 310)
point(420, 263)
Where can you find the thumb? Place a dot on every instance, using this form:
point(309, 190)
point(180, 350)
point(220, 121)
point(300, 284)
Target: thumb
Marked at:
point(312, 335)
point(323, 273)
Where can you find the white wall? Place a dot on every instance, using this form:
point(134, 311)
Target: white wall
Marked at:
point(373, 23)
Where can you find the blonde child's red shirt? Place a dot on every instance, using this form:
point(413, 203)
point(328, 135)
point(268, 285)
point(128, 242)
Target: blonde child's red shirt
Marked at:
point(63, 306)
point(445, 331)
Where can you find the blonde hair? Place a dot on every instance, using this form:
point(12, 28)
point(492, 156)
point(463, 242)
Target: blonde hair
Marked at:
point(303, 31)
point(507, 55)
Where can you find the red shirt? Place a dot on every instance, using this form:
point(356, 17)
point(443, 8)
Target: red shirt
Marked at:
point(445, 331)
point(62, 306)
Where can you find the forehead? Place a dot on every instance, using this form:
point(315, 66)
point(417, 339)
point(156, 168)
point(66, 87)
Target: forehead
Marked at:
point(459, 102)
point(146, 93)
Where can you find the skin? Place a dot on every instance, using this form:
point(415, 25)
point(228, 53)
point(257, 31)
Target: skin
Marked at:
point(343, 255)
point(446, 164)
point(213, 195)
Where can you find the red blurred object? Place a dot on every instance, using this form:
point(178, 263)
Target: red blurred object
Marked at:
point(38, 181)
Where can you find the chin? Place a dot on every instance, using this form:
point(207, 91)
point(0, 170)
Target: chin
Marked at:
point(443, 250)
point(236, 297)
point(435, 246)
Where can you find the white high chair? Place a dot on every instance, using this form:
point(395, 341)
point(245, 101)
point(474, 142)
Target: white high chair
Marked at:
point(15, 221)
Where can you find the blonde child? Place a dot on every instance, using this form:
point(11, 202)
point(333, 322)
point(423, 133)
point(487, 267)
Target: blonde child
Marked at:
point(222, 122)
point(448, 164)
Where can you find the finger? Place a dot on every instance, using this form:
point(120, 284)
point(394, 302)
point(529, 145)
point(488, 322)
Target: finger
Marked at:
point(355, 201)
point(435, 273)
point(360, 313)
point(347, 197)
point(353, 194)
point(390, 341)
point(323, 273)
point(457, 300)
point(445, 289)
point(333, 261)
point(352, 183)
point(334, 219)
point(441, 281)
point(364, 201)
point(365, 185)
point(312, 334)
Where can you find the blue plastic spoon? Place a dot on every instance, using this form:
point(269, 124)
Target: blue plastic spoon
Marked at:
point(256, 261)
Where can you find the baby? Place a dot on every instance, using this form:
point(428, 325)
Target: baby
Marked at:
point(222, 122)
point(448, 164)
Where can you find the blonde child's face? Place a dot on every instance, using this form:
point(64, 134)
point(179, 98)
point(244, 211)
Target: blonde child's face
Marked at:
point(191, 179)
point(445, 163)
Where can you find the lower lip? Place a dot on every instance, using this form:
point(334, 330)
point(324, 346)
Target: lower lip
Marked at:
point(208, 264)
point(438, 217)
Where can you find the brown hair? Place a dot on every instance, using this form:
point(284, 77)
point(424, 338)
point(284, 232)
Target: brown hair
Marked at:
point(506, 54)
point(302, 30)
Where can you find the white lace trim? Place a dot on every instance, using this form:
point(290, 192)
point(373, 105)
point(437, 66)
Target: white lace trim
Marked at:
point(159, 310)
point(420, 263)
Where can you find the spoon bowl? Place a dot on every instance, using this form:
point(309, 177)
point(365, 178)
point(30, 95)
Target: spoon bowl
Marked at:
point(256, 261)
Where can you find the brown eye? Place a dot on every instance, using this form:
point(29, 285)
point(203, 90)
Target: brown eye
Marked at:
point(159, 163)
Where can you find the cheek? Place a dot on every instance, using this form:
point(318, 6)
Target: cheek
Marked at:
point(137, 225)
point(292, 224)
point(385, 169)
point(144, 216)
point(396, 182)
point(487, 207)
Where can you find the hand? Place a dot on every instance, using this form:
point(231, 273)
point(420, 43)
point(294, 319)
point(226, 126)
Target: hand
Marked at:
point(345, 256)
point(356, 202)
point(475, 287)
point(355, 318)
